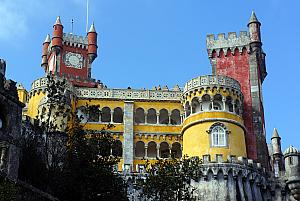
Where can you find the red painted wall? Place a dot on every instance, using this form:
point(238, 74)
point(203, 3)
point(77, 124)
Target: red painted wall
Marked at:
point(236, 65)
point(73, 71)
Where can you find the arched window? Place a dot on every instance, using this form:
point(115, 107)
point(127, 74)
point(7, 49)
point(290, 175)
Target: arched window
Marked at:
point(187, 109)
point(117, 149)
point(175, 117)
point(105, 114)
point(229, 104)
point(151, 116)
point(196, 107)
point(93, 114)
point(164, 150)
point(139, 116)
point(217, 102)
point(140, 149)
point(205, 102)
point(118, 115)
point(218, 136)
point(237, 107)
point(81, 114)
point(176, 150)
point(152, 150)
point(163, 116)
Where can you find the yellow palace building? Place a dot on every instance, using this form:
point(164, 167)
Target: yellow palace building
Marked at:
point(211, 116)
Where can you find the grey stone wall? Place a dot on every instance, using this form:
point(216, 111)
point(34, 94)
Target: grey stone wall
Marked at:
point(128, 135)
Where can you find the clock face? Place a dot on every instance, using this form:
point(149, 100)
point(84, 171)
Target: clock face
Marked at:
point(74, 60)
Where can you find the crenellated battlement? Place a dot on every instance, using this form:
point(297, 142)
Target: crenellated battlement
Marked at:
point(232, 41)
point(75, 41)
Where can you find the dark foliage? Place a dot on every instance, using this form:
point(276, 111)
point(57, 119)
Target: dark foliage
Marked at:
point(71, 164)
point(169, 179)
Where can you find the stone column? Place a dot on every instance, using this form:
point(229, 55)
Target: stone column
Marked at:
point(128, 151)
point(233, 106)
point(146, 151)
point(200, 105)
point(111, 116)
point(157, 150)
point(212, 103)
point(169, 120)
point(157, 118)
point(146, 119)
point(181, 118)
point(224, 103)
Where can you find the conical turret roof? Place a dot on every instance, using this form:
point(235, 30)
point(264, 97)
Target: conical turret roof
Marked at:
point(47, 40)
point(275, 134)
point(92, 28)
point(253, 18)
point(57, 22)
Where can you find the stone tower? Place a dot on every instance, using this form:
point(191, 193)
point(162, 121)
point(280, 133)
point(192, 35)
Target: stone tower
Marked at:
point(242, 58)
point(70, 56)
point(10, 125)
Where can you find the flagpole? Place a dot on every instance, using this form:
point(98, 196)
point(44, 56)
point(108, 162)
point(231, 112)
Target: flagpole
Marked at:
point(87, 15)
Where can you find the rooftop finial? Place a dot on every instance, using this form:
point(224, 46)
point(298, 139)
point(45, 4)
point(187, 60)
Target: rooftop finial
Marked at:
point(92, 28)
point(47, 40)
point(275, 134)
point(253, 18)
point(58, 21)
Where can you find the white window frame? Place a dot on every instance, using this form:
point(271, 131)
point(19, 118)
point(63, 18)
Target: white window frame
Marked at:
point(217, 133)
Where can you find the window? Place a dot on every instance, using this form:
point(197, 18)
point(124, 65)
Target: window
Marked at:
point(94, 115)
point(1, 123)
point(218, 136)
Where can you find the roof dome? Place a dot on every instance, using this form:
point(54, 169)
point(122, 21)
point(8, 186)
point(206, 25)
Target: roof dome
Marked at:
point(291, 150)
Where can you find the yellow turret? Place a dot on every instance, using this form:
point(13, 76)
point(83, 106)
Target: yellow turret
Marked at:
point(213, 126)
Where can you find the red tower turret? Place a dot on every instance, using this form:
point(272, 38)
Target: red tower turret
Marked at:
point(254, 29)
point(57, 35)
point(71, 56)
point(92, 43)
point(46, 43)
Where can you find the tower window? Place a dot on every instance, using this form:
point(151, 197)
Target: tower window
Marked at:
point(218, 137)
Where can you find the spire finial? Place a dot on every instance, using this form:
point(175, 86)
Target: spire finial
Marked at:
point(47, 40)
point(92, 28)
point(58, 21)
point(275, 134)
point(253, 18)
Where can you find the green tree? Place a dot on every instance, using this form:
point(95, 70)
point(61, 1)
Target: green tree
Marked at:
point(169, 179)
point(78, 163)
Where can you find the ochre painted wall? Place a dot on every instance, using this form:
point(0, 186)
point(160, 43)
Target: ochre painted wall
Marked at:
point(197, 141)
point(33, 103)
point(22, 94)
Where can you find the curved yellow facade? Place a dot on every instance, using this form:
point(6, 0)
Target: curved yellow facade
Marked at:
point(197, 140)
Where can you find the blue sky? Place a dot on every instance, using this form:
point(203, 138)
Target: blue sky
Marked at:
point(143, 43)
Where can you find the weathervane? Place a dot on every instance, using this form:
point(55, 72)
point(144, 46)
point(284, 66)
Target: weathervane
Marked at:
point(72, 26)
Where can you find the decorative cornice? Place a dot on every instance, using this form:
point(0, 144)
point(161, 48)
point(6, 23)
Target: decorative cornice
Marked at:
point(213, 120)
point(211, 81)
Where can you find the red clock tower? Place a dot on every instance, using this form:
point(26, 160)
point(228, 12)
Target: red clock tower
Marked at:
point(70, 56)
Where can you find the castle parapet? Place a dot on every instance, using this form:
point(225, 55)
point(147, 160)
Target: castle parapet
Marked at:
point(129, 94)
point(75, 41)
point(232, 40)
point(211, 81)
